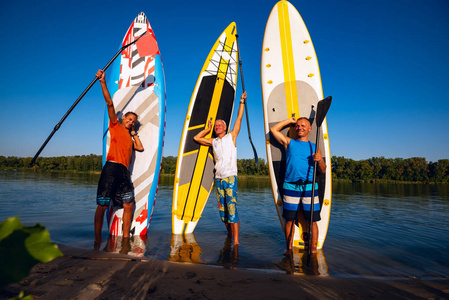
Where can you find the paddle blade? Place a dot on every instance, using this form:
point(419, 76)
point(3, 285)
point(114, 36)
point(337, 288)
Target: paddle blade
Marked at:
point(323, 108)
point(147, 45)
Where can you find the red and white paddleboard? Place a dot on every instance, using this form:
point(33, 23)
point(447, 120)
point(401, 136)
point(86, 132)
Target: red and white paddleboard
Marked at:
point(137, 84)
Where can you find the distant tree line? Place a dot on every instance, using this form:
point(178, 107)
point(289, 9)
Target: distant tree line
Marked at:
point(415, 169)
point(83, 163)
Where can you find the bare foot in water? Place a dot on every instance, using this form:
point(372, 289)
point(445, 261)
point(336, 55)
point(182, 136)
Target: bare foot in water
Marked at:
point(288, 253)
point(97, 245)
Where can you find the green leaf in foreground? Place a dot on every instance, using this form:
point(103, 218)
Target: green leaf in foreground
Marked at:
point(22, 247)
point(22, 296)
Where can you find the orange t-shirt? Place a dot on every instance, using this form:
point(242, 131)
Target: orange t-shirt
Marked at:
point(121, 145)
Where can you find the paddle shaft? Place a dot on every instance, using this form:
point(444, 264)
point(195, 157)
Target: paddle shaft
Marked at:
point(312, 203)
point(56, 128)
point(322, 109)
point(246, 107)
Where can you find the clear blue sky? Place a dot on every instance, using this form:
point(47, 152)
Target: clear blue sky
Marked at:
point(384, 62)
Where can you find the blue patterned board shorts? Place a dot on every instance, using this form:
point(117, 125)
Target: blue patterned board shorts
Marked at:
point(227, 199)
point(115, 185)
point(300, 194)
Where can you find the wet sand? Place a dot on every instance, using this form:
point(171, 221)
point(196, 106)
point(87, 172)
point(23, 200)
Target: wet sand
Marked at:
point(102, 275)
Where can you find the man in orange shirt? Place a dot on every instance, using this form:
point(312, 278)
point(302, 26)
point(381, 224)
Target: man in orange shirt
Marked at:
point(115, 183)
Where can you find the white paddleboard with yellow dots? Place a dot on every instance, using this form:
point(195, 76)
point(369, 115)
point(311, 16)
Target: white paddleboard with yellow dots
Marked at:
point(291, 87)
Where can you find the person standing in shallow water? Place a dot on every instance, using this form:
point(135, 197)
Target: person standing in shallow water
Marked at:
point(115, 181)
point(297, 187)
point(225, 155)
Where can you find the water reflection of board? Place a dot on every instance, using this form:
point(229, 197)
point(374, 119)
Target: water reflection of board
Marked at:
point(212, 98)
point(137, 84)
point(134, 246)
point(184, 248)
point(301, 264)
point(315, 265)
point(291, 87)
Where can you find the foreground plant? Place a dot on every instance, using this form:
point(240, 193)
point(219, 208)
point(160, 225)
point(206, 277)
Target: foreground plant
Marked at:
point(22, 247)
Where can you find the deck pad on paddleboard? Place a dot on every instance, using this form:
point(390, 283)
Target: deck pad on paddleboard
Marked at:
point(291, 87)
point(137, 84)
point(212, 99)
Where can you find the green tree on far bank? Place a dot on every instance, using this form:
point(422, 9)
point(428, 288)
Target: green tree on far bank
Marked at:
point(415, 169)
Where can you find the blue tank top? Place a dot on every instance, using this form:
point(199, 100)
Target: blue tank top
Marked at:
point(299, 162)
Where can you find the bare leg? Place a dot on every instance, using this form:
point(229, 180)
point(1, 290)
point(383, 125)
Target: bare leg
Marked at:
point(235, 253)
point(98, 222)
point(229, 229)
point(126, 246)
point(314, 242)
point(235, 232)
point(127, 215)
point(289, 231)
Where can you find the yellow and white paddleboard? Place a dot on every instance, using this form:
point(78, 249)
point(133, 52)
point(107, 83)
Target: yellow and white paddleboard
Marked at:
point(291, 87)
point(212, 98)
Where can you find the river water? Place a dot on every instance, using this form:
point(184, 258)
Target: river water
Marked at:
point(375, 230)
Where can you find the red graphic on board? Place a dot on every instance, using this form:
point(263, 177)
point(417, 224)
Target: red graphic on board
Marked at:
point(114, 226)
point(143, 216)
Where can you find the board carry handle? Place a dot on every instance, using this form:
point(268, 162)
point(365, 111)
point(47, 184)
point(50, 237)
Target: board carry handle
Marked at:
point(321, 111)
point(78, 100)
point(256, 158)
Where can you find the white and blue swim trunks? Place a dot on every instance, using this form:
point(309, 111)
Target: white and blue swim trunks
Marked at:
point(299, 196)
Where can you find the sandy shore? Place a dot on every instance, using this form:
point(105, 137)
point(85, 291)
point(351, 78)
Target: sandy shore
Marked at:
point(102, 275)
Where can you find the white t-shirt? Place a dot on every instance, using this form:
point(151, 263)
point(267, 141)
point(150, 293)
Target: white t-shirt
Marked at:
point(225, 155)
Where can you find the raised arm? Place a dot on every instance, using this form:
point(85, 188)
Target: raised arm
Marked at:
point(107, 97)
point(277, 134)
point(238, 122)
point(200, 137)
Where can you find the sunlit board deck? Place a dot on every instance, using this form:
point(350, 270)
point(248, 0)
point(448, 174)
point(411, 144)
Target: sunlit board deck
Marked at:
point(291, 87)
point(212, 98)
point(137, 83)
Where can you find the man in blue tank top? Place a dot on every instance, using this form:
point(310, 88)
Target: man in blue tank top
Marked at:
point(297, 187)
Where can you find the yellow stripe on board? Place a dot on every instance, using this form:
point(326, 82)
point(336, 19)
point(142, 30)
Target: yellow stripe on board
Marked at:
point(196, 127)
point(195, 184)
point(291, 92)
point(182, 192)
point(196, 190)
point(223, 67)
point(190, 152)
